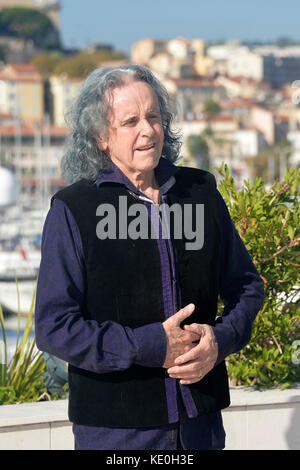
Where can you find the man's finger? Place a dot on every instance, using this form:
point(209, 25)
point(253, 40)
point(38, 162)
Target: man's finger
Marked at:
point(189, 337)
point(194, 327)
point(184, 313)
point(184, 370)
point(189, 356)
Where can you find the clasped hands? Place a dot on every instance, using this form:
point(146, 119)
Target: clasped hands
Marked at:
point(192, 351)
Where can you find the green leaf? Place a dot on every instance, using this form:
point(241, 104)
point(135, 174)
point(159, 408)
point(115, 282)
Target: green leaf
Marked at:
point(266, 361)
point(291, 231)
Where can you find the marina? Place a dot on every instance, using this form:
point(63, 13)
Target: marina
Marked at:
point(20, 243)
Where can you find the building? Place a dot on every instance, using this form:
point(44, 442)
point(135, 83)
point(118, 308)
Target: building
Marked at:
point(227, 142)
point(249, 142)
point(243, 87)
point(222, 128)
point(277, 66)
point(246, 63)
point(273, 126)
point(221, 53)
point(21, 92)
point(204, 65)
point(33, 151)
point(142, 51)
point(63, 90)
point(177, 57)
point(239, 108)
point(191, 95)
point(178, 48)
point(160, 63)
point(225, 51)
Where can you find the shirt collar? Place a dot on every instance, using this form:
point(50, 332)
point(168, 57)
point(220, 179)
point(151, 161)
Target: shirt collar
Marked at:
point(164, 173)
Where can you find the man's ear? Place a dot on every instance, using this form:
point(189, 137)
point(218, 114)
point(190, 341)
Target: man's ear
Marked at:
point(102, 143)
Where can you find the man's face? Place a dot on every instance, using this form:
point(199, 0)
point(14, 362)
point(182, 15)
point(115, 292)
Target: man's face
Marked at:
point(135, 137)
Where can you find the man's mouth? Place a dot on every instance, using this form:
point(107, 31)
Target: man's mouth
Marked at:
point(146, 147)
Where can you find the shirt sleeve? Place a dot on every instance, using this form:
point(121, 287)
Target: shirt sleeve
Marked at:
point(60, 328)
point(241, 290)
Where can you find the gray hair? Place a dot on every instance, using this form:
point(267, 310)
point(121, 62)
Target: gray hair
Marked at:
point(87, 121)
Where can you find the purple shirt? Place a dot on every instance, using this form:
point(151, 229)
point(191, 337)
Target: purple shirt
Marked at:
point(62, 331)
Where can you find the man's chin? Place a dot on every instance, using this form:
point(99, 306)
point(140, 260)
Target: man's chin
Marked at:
point(149, 163)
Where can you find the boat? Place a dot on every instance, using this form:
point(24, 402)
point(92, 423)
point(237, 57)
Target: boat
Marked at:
point(20, 255)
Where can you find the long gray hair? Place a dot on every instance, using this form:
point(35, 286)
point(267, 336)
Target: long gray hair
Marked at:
point(87, 121)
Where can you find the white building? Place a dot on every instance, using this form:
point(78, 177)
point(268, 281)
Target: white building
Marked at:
point(63, 90)
point(221, 53)
point(225, 51)
point(249, 142)
point(247, 64)
point(178, 48)
point(277, 66)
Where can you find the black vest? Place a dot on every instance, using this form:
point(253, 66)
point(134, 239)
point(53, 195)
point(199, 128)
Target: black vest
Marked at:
point(123, 284)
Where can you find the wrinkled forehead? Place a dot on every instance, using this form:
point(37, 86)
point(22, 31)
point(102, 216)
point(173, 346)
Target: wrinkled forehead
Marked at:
point(130, 95)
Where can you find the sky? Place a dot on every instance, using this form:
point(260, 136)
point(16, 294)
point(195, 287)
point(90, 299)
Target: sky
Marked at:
point(123, 22)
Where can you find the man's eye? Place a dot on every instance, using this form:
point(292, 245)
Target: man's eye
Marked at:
point(130, 122)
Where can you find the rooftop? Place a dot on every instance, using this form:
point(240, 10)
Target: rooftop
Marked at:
point(20, 72)
point(30, 129)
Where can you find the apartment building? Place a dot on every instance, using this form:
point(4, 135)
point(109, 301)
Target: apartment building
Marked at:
point(243, 87)
point(221, 127)
point(272, 125)
point(143, 50)
point(239, 108)
point(176, 57)
point(277, 66)
point(63, 90)
point(21, 92)
point(191, 95)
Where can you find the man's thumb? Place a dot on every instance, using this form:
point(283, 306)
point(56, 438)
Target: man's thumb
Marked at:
point(184, 313)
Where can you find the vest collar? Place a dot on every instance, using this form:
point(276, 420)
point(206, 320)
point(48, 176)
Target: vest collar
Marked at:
point(164, 172)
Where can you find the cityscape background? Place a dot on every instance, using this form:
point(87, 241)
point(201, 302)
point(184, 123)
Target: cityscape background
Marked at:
point(233, 69)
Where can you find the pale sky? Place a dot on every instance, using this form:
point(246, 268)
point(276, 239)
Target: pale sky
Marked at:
point(121, 23)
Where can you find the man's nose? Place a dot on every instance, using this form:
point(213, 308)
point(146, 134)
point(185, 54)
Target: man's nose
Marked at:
point(146, 127)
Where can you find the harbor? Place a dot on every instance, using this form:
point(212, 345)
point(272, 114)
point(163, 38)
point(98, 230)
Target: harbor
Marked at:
point(20, 240)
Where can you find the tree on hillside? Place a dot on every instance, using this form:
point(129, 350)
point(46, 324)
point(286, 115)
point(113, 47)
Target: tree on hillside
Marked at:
point(211, 108)
point(45, 62)
point(29, 23)
point(84, 63)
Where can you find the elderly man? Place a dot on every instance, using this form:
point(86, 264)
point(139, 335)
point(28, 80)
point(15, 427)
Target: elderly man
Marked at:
point(124, 295)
